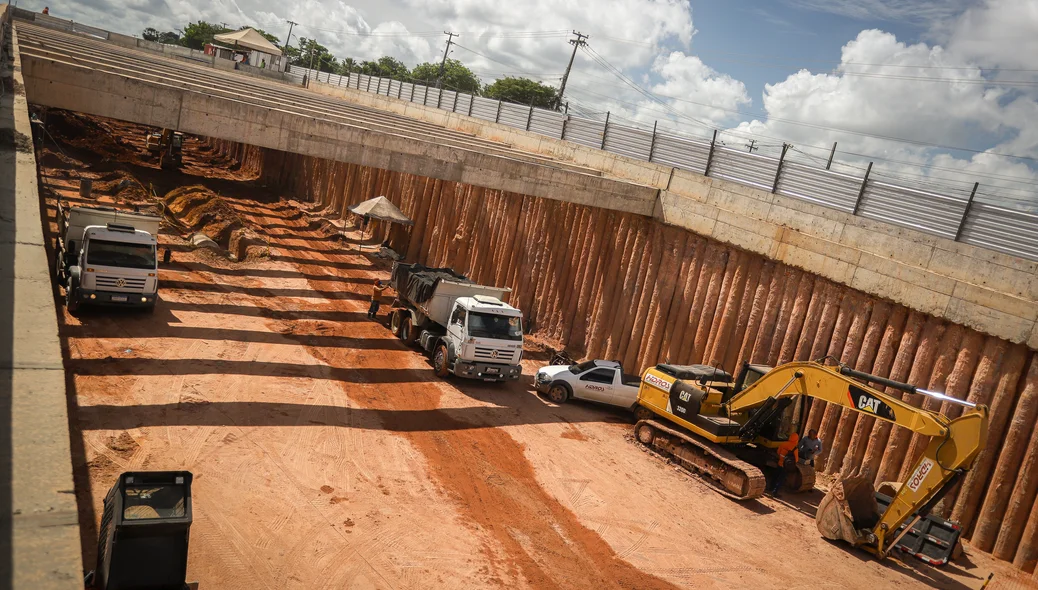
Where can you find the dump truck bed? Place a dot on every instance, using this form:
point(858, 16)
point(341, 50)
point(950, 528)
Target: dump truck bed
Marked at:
point(81, 217)
point(433, 291)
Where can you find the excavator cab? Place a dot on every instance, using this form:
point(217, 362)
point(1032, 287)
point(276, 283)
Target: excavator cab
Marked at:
point(144, 533)
point(168, 146)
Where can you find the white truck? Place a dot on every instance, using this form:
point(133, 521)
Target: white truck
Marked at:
point(107, 257)
point(598, 381)
point(467, 329)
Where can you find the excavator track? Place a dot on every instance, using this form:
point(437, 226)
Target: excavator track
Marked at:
point(726, 473)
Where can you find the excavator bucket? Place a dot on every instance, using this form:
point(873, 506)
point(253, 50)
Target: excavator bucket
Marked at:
point(849, 511)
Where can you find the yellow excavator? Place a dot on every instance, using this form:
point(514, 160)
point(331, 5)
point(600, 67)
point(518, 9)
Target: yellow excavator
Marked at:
point(725, 429)
point(168, 146)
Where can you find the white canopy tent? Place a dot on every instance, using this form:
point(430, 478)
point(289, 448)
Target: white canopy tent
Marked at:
point(249, 39)
point(259, 50)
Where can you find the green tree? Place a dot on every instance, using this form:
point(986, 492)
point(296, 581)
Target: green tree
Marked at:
point(385, 67)
point(167, 37)
point(523, 91)
point(348, 66)
point(455, 76)
point(196, 35)
point(311, 54)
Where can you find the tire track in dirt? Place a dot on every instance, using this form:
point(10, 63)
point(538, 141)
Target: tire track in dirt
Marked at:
point(493, 486)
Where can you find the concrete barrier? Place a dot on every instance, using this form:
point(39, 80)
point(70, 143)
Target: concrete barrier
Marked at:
point(39, 523)
point(123, 40)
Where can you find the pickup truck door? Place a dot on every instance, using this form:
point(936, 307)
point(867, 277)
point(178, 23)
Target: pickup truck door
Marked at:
point(596, 385)
point(623, 395)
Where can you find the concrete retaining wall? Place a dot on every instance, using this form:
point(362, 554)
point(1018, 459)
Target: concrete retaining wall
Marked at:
point(39, 525)
point(989, 291)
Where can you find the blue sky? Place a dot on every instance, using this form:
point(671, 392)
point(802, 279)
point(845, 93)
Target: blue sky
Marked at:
point(774, 40)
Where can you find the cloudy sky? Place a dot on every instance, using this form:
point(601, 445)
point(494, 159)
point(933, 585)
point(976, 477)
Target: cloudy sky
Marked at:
point(937, 92)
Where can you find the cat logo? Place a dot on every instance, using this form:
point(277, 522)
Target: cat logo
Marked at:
point(866, 402)
point(685, 396)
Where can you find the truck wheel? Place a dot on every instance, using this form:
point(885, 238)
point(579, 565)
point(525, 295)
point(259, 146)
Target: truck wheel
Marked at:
point(72, 296)
point(59, 266)
point(395, 324)
point(408, 333)
point(558, 393)
point(440, 363)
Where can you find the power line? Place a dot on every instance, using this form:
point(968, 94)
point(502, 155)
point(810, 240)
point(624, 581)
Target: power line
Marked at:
point(460, 46)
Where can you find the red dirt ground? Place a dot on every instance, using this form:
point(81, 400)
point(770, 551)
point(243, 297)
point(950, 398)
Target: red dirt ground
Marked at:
point(327, 455)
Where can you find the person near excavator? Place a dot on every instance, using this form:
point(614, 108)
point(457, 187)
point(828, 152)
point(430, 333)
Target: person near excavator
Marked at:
point(810, 447)
point(787, 452)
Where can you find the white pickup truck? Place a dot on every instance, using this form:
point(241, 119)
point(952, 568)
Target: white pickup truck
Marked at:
point(597, 381)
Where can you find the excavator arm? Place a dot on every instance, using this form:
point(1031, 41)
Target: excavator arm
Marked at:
point(953, 447)
point(828, 384)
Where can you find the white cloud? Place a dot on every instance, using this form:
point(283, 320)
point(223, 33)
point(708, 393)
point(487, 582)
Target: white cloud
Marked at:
point(933, 94)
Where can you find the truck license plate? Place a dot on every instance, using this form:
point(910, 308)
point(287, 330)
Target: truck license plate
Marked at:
point(493, 370)
point(120, 298)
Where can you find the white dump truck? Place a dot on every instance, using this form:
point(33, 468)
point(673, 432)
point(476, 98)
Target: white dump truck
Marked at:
point(107, 257)
point(467, 329)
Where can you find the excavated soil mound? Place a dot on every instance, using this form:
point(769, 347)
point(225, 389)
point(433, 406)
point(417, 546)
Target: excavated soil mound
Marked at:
point(201, 210)
point(92, 134)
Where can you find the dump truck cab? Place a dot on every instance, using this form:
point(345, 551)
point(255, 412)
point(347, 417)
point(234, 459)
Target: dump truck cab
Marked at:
point(467, 329)
point(107, 257)
point(484, 338)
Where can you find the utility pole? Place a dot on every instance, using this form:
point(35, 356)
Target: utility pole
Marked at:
point(576, 43)
point(829, 164)
point(443, 62)
point(753, 145)
point(288, 39)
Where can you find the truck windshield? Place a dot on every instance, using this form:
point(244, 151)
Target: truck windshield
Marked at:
point(492, 325)
point(105, 253)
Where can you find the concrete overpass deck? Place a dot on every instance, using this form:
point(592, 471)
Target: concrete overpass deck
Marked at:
point(73, 72)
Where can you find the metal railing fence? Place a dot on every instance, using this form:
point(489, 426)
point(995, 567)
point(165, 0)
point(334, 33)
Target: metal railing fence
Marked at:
point(955, 217)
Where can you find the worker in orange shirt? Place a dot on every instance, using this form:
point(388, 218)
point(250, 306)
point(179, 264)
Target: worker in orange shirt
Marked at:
point(376, 298)
point(787, 453)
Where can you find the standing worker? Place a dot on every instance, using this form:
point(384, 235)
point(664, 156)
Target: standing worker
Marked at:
point(810, 447)
point(787, 453)
point(376, 298)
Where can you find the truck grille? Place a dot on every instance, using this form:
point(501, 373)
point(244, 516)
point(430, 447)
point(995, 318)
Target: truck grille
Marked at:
point(490, 354)
point(109, 283)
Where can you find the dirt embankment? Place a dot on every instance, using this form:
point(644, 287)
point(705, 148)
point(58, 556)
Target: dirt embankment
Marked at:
point(200, 210)
point(609, 285)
